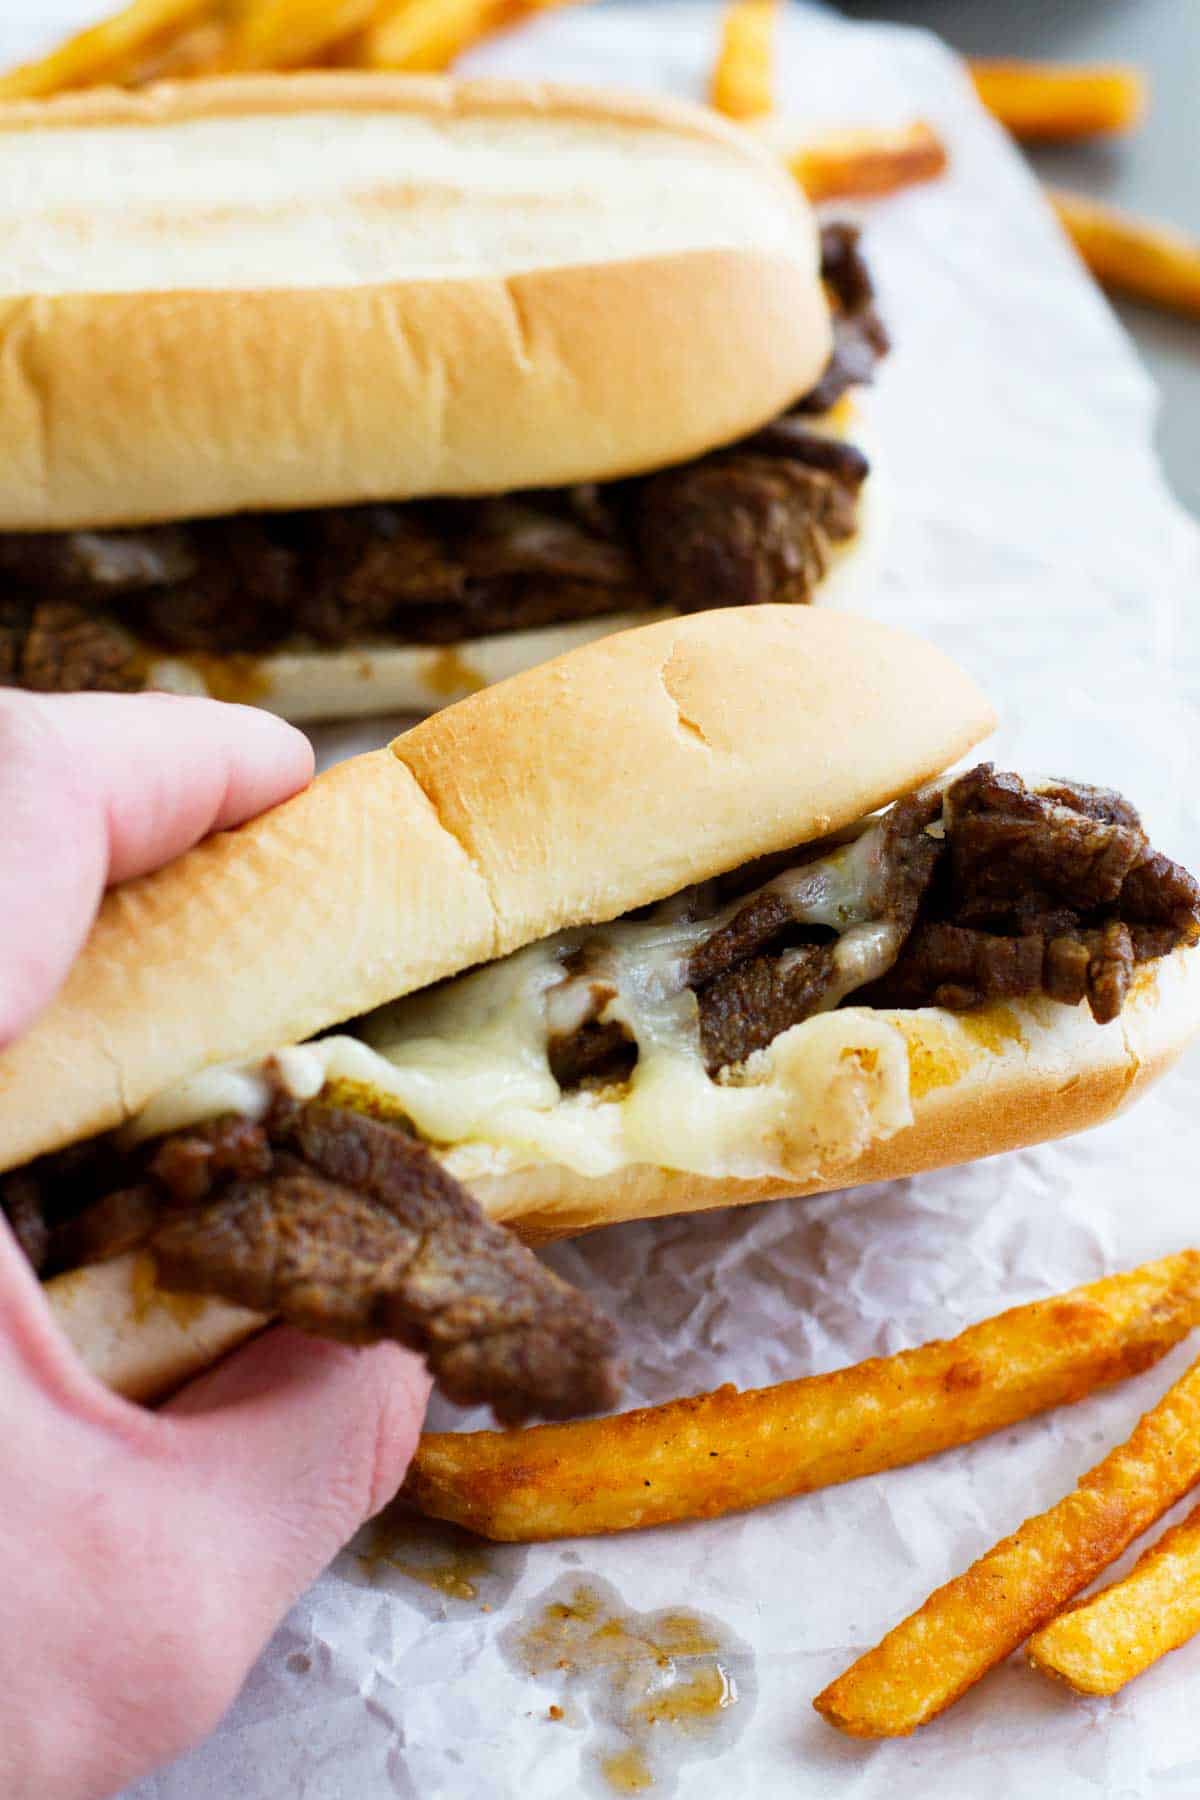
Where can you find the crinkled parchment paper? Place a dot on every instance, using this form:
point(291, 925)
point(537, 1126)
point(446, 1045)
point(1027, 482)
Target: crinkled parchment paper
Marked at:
point(1033, 537)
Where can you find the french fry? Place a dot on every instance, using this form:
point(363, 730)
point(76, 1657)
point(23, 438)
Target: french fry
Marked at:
point(1049, 102)
point(201, 50)
point(290, 34)
point(428, 35)
point(1137, 257)
point(1098, 1645)
point(105, 52)
point(964, 1629)
point(727, 1451)
point(743, 77)
point(864, 164)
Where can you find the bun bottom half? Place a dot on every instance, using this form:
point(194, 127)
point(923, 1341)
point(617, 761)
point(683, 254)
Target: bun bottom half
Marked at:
point(1002, 1078)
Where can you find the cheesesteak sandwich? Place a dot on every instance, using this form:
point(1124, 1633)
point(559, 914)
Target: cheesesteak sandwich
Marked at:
point(624, 935)
point(348, 393)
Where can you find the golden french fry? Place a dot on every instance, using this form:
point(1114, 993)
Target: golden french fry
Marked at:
point(1045, 102)
point(427, 35)
point(862, 164)
point(288, 34)
point(726, 1451)
point(104, 52)
point(1137, 257)
point(743, 77)
point(200, 50)
point(964, 1629)
point(1098, 1645)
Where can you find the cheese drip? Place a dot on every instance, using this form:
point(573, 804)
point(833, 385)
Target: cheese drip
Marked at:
point(467, 1061)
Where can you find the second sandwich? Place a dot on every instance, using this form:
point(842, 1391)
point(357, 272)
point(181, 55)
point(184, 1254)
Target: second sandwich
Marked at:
point(346, 394)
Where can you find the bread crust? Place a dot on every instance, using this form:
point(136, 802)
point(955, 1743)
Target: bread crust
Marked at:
point(121, 408)
point(998, 1079)
point(587, 786)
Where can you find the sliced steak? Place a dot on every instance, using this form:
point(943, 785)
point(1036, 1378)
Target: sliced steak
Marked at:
point(860, 337)
point(238, 597)
point(520, 536)
point(766, 915)
point(910, 855)
point(358, 1233)
point(791, 435)
point(1093, 802)
point(106, 562)
point(364, 566)
point(747, 1007)
point(1014, 852)
point(1110, 970)
point(119, 1222)
point(739, 531)
point(1053, 891)
point(55, 646)
point(21, 1204)
point(1158, 892)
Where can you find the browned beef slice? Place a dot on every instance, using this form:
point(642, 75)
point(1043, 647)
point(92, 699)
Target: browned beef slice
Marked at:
point(21, 1204)
point(113, 562)
point(522, 603)
point(960, 966)
point(240, 595)
point(358, 1233)
point(596, 1050)
point(739, 531)
point(121, 1221)
point(363, 565)
point(517, 535)
point(1065, 969)
point(789, 435)
point(1110, 970)
point(746, 1008)
point(53, 646)
point(1094, 802)
point(189, 1164)
point(957, 966)
point(860, 339)
point(1158, 892)
point(67, 1192)
point(910, 856)
point(764, 916)
point(449, 570)
point(1014, 852)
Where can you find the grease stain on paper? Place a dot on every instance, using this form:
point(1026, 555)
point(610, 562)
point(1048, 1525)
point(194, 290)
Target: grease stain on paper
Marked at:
point(659, 1689)
point(449, 1573)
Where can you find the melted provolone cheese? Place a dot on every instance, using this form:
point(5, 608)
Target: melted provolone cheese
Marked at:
point(467, 1061)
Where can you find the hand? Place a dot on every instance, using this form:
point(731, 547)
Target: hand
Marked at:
point(145, 1558)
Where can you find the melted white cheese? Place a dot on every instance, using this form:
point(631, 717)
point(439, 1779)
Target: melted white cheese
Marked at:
point(467, 1061)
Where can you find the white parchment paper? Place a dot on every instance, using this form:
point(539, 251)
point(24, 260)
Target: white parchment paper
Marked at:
point(1033, 537)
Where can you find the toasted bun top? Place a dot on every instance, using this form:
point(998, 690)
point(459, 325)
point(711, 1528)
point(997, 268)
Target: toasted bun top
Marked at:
point(318, 289)
point(598, 782)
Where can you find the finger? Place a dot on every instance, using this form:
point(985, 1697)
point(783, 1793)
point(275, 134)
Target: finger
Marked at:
point(289, 1446)
point(102, 787)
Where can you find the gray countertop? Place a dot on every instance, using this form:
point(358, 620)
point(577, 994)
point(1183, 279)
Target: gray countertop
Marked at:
point(1155, 172)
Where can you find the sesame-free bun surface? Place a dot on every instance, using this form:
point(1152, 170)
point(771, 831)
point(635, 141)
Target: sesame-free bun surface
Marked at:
point(311, 290)
point(595, 783)
point(995, 1079)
